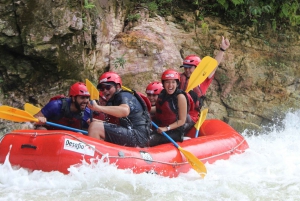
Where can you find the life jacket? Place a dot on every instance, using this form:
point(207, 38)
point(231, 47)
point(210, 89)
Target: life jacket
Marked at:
point(57, 97)
point(197, 95)
point(194, 114)
point(133, 119)
point(146, 100)
point(167, 108)
point(66, 117)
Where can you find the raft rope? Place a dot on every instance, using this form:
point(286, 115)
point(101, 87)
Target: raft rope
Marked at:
point(174, 164)
point(226, 152)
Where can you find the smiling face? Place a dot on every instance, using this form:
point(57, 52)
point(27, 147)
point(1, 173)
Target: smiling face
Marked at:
point(170, 86)
point(81, 102)
point(188, 71)
point(108, 90)
point(152, 98)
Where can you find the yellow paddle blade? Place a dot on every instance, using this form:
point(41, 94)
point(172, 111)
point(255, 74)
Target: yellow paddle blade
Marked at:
point(14, 114)
point(126, 89)
point(196, 164)
point(31, 108)
point(201, 119)
point(203, 70)
point(92, 90)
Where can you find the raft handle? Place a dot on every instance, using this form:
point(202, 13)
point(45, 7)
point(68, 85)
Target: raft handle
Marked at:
point(28, 146)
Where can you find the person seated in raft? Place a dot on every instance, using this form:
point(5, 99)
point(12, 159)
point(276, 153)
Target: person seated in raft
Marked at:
point(153, 90)
point(198, 93)
point(71, 111)
point(133, 127)
point(172, 108)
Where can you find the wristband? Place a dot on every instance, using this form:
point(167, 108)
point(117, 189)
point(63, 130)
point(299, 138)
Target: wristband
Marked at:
point(168, 127)
point(222, 49)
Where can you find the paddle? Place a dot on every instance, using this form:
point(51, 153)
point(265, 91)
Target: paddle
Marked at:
point(17, 115)
point(192, 159)
point(203, 70)
point(196, 164)
point(200, 121)
point(94, 94)
point(31, 108)
point(127, 89)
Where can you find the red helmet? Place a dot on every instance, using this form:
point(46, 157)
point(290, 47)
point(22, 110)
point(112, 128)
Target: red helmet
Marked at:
point(154, 88)
point(191, 60)
point(110, 77)
point(170, 75)
point(79, 89)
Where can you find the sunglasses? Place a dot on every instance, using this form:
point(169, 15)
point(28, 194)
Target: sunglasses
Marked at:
point(107, 87)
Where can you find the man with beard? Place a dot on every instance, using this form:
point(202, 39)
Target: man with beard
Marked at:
point(71, 111)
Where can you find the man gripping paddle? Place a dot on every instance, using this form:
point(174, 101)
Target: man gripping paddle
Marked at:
point(71, 112)
point(198, 93)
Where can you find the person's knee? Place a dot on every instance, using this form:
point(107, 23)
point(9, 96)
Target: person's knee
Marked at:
point(96, 130)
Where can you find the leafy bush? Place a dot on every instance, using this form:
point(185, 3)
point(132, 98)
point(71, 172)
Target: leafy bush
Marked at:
point(251, 12)
point(134, 17)
point(119, 62)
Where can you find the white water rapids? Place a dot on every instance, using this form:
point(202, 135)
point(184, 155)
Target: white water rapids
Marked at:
point(268, 170)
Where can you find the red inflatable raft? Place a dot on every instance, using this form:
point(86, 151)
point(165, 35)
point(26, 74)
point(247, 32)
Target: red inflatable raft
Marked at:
point(57, 150)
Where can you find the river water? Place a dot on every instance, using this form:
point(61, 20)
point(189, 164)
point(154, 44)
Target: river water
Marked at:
point(268, 170)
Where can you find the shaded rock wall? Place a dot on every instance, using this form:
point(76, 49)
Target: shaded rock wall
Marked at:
point(47, 45)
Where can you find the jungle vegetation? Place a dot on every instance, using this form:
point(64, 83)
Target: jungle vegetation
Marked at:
point(279, 14)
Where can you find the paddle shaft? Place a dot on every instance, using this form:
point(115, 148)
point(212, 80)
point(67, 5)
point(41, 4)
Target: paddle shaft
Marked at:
point(196, 164)
point(166, 135)
point(18, 115)
point(66, 127)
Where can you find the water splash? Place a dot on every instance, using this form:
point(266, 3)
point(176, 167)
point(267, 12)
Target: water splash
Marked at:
point(268, 170)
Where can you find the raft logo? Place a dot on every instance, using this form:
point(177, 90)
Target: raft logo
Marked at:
point(146, 156)
point(103, 80)
point(170, 75)
point(149, 92)
point(79, 147)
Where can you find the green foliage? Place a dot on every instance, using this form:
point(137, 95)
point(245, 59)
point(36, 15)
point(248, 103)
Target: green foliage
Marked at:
point(258, 11)
point(161, 7)
point(88, 5)
point(237, 2)
point(152, 6)
point(289, 10)
point(261, 11)
point(249, 12)
point(223, 3)
point(278, 65)
point(204, 27)
point(120, 62)
point(223, 79)
point(134, 17)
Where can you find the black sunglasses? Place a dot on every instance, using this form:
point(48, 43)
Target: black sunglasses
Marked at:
point(107, 87)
